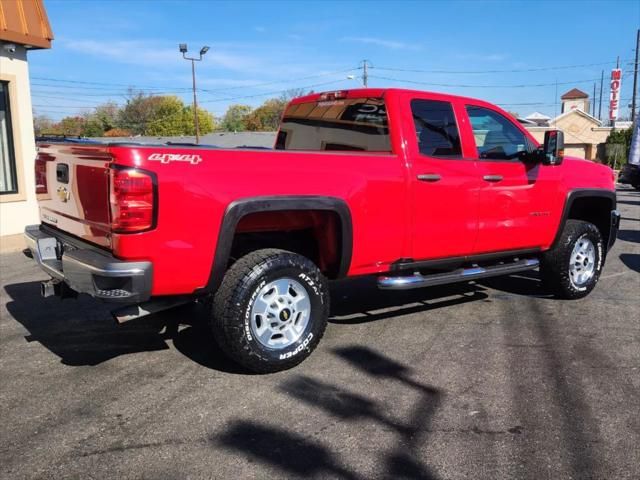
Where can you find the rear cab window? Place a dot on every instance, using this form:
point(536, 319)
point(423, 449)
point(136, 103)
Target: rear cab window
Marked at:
point(436, 128)
point(336, 124)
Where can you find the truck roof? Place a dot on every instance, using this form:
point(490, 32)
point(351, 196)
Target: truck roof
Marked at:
point(379, 92)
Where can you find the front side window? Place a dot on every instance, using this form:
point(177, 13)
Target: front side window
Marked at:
point(347, 124)
point(497, 138)
point(8, 181)
point(436, 128)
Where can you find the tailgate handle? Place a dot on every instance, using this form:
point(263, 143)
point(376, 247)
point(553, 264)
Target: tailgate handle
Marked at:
point(62, 172)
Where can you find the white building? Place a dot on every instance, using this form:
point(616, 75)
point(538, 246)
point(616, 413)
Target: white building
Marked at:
point(23, 27)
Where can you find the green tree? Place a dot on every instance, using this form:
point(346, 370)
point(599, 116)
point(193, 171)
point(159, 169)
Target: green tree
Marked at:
point(42, 124)
point(138, 111)
point(71, 126)
point(206, 121)
point(167, 117)
point(234, 119)
point(162, 116)
point(106, 115)
point(267, 116)
point(618, 145)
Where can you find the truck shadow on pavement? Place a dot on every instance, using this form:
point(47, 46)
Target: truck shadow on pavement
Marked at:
point(355, 301)
point(303, 457)
point(82, 332)
point(631, 261)
point(629, 235)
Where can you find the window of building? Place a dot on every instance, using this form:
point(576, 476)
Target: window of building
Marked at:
point(350, 124)
point(436, 128)
point(8, 180)
point(497, 138)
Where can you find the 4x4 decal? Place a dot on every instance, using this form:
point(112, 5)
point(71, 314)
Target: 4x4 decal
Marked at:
point(174, 157)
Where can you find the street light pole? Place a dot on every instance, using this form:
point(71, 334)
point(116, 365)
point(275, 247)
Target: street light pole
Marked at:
point(195, 101)
point(203, 50)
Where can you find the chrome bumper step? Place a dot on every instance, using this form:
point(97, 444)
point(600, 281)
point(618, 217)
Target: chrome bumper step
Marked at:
point(418, 280)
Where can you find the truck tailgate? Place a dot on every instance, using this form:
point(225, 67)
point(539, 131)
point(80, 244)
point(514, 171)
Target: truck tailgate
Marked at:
point(72, 187)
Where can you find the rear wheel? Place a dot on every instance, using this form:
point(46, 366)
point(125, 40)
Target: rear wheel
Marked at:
point(572, 268)
point(271, 310)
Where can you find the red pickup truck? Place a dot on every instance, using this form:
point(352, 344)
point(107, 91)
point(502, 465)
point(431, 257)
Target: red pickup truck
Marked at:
point(416, 188)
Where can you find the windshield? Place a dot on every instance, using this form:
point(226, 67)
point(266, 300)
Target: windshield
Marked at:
point(353, 124)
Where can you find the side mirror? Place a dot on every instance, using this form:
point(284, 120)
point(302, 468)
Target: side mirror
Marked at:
point(553, 149)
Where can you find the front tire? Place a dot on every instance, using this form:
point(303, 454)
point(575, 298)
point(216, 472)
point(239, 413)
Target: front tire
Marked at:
point(271, 310)
point(571, 269)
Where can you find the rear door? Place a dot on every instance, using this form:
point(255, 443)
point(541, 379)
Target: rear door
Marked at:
point(444, 181)
point(516, 195)
point(72, 188)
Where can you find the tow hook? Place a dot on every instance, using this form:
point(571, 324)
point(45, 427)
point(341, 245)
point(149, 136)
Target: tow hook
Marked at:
point(58, 288)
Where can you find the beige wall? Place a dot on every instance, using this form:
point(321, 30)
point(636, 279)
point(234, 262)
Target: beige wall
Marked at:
point(581, 103)
point(20, 209)
point(582, 135)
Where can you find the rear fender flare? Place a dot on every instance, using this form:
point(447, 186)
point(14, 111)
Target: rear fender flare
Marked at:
point(239, 208)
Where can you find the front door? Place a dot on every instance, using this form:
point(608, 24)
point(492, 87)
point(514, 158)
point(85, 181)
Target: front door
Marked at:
point(444, 184)
point(516, 193)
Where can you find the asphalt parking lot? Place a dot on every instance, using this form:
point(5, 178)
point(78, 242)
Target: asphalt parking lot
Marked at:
point(493, 380)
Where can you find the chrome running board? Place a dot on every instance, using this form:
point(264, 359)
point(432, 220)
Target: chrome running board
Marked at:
point(418, 280)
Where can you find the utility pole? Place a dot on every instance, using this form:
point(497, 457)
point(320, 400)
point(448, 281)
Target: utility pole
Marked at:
point(365, 73)
point(203, 50)
point(592, 107)
point(601, 87)
point(635, 79)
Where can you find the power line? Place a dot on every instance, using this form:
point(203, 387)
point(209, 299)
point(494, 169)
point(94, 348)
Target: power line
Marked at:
point(524, 85)
point(102, 86)
point(275, 82)
point(522, 70)
point(276, 92)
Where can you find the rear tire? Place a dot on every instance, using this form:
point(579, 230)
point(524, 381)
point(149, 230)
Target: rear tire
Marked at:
point(271, 310)
point(571, 269)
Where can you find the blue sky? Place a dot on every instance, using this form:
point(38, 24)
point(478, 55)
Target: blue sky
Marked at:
point(261, 48)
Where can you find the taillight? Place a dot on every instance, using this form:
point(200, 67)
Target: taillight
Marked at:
point(41, 171)
point(132, 199)
point(41, 176)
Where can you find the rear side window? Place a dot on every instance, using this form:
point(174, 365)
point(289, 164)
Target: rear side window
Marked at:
point(350, 124)
point(436, 128)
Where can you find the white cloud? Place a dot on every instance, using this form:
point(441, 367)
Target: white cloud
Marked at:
point(392, 44)
point(483, 57)
point(150, 54)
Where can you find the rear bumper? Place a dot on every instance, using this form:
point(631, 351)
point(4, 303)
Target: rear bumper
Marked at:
point(613, 229)
point(86, 269)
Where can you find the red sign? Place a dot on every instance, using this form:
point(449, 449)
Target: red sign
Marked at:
point(614, 97)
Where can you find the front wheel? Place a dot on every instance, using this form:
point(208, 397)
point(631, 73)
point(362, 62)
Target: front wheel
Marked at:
point(572, 267)
point(271, 310)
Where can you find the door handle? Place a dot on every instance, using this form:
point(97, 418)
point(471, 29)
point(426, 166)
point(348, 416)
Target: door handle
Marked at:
point(429, 177)
point(492, 178)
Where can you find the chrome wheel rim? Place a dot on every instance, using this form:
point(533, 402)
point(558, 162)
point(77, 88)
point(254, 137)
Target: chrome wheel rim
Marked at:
point(582, 265)
point(280, 313)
